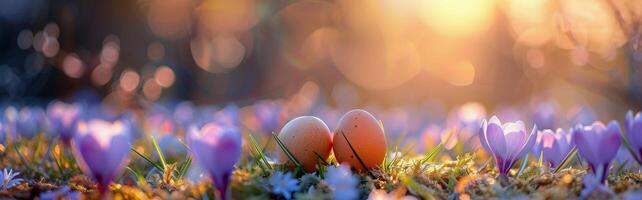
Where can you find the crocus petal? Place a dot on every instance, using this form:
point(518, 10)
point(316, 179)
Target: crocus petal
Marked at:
point(496, 140)
point(634, 132)
point(628, 120)
point(552, 153)
point(564, 140)
point(92, 156)
point(228, 149)
point(529, 143)
point(581, 139)
point(482, 136)
point(610, 143)
point(216, 148)
point(101, 148)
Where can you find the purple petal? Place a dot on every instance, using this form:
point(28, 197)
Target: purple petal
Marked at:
point(584, 147)
point(634, 132)
point(628, 120)
point(529, 143)
point(610, 143)
point(482, 137)
point(496, 140)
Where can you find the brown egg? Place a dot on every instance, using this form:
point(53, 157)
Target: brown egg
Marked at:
point(303, 136)
point(365, 135)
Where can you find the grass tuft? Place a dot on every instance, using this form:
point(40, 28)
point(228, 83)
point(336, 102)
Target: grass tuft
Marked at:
point(567, 160)
point(297, 164)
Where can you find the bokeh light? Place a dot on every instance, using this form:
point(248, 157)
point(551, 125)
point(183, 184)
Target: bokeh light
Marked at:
point(129, 80)
point(462, 18)
point(164, 76)
point(73, 66)
point(218, 55)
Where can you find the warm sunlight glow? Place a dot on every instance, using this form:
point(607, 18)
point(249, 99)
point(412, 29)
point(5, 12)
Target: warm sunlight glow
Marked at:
point(463, 18)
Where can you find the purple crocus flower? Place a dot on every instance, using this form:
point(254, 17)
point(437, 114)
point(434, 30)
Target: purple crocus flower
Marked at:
point(62, 119)
point(184, 114)
point(30, 121)
point(268, 115)
point(9, 119)
point(544, 114)
point(101, 148)
point(162, 127)
point(633, 128)
point(553, 146)
point(598, 144)
point(216, 148)
point(466, 120)
point(228, 116)
point(506, 142)
point(160, 123)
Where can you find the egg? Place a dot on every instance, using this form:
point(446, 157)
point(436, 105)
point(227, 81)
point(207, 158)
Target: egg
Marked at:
point(303, 136)
point(366, 137)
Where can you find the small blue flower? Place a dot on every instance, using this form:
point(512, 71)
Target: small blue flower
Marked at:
point(283, 184)
point(62, 193)
point(7, 178)
point(592, 183)
point(344, 184)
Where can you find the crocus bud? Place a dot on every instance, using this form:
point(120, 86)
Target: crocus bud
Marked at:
point(267, 114)
point(30, 121)
point(507, 143)
point(598, 144)
point(228, 116)
point(184, 114)
point(544, 114)
point(553, 146)
point(217, 149)
point(633, 128)
point(101, 148)
point(62, 120)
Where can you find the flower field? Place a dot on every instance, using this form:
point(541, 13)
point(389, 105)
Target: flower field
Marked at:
point(68, 152)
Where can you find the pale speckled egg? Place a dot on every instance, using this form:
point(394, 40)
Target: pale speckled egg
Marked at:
point(366, 136)
point(303, 136)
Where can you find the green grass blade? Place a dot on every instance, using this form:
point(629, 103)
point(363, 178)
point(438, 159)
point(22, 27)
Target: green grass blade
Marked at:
point(321, 169)
point(139, 178)
point(424, 192)
point(621, 167)
point(147, 159)
point(486, 163)
point(432, 154)
point(540, 160)
point(524, 163)
point(258, 153)
point(363, 164)
point(37, 148)
point(628, 146)
point(57, 164)
point(48, 152)
point(182, 170)
point(321, 158)
point(567, 160)
point(159, 152)
point(286, 151)
point(22, 157)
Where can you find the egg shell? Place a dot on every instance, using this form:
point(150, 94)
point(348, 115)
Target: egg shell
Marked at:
point(303, 136)
point(366, 136)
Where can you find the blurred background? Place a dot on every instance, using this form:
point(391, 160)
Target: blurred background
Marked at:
point(410, 62)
